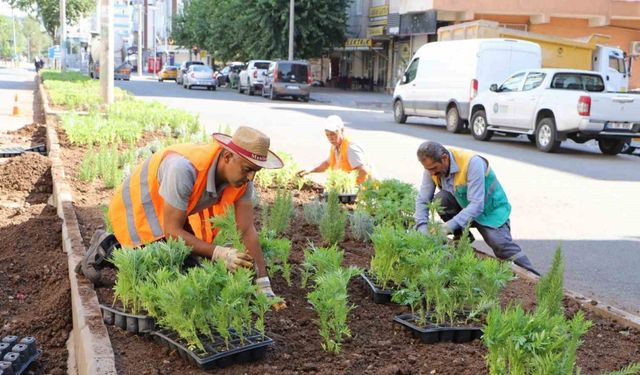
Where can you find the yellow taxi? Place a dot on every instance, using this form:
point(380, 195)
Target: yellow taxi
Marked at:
point(168, 72)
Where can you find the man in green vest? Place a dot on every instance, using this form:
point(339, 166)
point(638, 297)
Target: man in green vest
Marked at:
point(469, 192)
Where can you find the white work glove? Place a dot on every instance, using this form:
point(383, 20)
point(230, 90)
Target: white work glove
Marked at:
point(264, 286)
point(232, 258)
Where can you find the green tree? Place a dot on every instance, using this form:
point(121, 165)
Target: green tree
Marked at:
point(6, 37)
point(239, 30)
point(34, 38)
point(49, 11)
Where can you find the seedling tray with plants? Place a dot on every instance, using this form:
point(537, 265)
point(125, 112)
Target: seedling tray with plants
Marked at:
point(16, 354)
point(129, 322)
point(343, 198)
point(432, 333)
point(252, 347)
point(379, 295)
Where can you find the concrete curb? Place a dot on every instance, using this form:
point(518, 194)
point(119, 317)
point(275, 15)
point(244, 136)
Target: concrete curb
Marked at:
point(91, 347)
point(603, 310)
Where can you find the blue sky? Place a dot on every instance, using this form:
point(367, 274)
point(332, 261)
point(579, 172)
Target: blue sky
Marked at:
point(5, 10)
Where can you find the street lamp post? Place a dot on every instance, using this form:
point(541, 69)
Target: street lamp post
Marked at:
point(63, 33)
point(139, 50)
point(15, 49)
point(291, 14)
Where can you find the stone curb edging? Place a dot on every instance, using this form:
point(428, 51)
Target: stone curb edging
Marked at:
point(90, 340)
point(621, 317)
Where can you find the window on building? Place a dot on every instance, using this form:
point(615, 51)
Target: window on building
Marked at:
point(512, 83)
point(534, 80)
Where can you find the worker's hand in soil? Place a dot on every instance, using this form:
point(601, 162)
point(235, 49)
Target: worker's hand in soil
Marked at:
point(264, 286)
point(232, 258)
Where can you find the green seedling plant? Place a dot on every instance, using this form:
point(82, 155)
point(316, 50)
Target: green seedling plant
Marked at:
point(361, 224)
point(228, 233)
point(313, 212)
point(284, 178)
point(318, 261)
point(631, 369)
point(541, 342)
point(330, 300)
point(390, 202)
point(131, 273)
point(276, 218)
point(341, 181)
point(108, 227)
point(276, 255)
point(332, 224)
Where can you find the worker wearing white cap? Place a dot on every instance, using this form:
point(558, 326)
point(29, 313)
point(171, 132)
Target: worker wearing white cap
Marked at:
point(345, 154)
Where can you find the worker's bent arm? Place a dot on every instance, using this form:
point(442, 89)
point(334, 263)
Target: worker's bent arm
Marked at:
point(244, 221)
point(321, 167)
point(174, 220)
point(362, 173)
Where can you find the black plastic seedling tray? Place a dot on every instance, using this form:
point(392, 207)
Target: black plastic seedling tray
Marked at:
point(343, 198)
point(132, 323)
point(434, 334)
point(16, 354)
point(217, 354)
point(17, 151)
point(378, 295)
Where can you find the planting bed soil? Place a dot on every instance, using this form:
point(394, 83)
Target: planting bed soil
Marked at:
point(34, 283)
point(378, 345)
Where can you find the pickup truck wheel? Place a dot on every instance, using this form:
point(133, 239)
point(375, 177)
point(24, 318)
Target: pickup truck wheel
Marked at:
point(398, 112)
point(611, 146)
point(547, 135)
point(454, 123)
point(480, 127)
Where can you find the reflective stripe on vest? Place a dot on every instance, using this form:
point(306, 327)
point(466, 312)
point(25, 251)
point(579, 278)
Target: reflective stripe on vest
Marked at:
point(343, 164)
point(136, 210)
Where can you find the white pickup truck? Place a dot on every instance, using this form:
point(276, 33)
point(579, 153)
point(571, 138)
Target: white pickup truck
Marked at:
point(252, 78)
point(552, 105)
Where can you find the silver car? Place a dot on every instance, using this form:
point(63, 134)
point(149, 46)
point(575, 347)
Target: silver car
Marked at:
point(288, 78)
point(199, 75)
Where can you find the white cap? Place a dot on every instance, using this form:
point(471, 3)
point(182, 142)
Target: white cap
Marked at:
point(333, 123)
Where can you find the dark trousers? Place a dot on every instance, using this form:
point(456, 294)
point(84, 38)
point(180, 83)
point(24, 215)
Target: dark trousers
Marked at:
point(499, 239)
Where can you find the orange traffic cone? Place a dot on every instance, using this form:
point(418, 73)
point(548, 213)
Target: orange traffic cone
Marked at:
point(16, 110)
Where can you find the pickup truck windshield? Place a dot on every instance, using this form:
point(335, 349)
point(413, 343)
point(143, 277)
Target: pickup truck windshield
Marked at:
point(578, 81)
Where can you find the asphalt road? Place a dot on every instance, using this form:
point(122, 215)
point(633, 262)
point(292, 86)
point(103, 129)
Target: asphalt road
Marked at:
point(579, 199)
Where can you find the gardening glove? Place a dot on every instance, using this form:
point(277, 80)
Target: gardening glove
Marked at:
point(232, 258)
point(264, 286)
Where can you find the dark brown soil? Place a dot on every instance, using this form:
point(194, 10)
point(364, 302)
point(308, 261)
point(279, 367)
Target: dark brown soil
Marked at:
point(34, 281)
point(377, 346)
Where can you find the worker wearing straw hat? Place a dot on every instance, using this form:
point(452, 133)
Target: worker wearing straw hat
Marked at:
point(177, 190)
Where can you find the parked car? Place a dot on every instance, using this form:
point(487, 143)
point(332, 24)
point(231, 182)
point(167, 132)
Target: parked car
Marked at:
point(288, 78)
point(122, 71)
point(252, 78)
point(443, 77)
point(199, 76)
point(169, 72)
point(552, 105)
point(223, 75)
point(183, 69)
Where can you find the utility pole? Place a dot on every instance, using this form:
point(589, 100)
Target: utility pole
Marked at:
point(139, 51)
point(291, 14)
point(63, 34)
point(107, 40)
point(155, 45)
point(15, 48)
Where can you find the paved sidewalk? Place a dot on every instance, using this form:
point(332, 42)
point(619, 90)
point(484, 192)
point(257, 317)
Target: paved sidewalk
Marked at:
point(351, 98)
point(20, 82)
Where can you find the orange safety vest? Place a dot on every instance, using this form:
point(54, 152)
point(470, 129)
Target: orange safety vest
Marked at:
point(136, 210)
point(343, 164)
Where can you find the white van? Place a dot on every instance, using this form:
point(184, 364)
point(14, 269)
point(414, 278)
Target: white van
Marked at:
point(443, 77)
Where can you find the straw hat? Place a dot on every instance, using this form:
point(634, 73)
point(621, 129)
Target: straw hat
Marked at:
point(251, 144)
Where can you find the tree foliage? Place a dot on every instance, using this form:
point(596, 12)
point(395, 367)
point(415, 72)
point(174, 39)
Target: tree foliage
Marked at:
point(30, 40)
point(49, 11)
point(240, 30)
